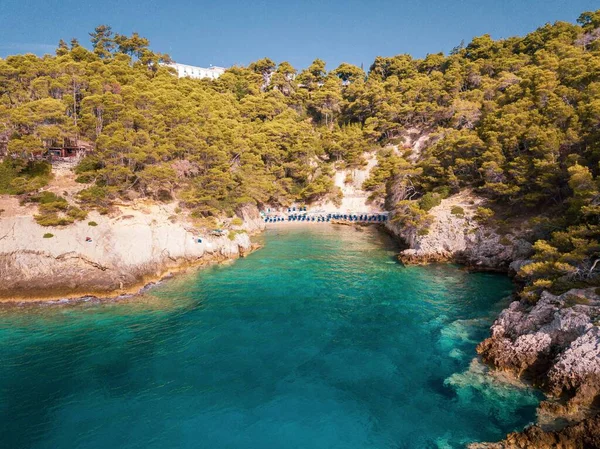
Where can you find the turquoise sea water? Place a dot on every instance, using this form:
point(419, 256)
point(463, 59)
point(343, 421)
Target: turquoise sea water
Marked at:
point(319, 340)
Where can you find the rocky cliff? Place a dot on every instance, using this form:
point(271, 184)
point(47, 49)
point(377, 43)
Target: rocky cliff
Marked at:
point(107, 255)
point(349, 183)
point(555, 344)
point(455, 235)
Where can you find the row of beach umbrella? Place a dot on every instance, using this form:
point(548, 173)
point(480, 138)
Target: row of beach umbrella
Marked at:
point(368, 218)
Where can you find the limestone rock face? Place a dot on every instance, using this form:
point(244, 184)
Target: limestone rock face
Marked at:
point(354, 198)
point(555, 343)
point(576, 370)
point(458, 237)
point(252, 219)
point(121, 252)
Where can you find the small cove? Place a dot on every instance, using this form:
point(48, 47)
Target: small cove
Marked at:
point(320, 339)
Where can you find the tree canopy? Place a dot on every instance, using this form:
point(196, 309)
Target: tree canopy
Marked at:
point(517, 119)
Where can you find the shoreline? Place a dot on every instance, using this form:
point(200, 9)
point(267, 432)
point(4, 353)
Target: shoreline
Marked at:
point(134, 290)
point(217, 258)
point(150, 281)
point(110, 256)
point(300, 224)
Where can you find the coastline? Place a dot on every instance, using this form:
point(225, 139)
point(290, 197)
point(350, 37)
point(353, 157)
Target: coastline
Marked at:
point(111, 255)
point(64, 295)
point(553, 345)
point(225, 250)
point(136, 289)
point(270, 293)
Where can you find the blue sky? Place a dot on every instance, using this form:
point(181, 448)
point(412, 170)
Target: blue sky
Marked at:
point(227, 32)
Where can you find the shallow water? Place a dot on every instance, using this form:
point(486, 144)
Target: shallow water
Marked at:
point(319, 340)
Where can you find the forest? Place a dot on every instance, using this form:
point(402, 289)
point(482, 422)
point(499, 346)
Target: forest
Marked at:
point(517, 120)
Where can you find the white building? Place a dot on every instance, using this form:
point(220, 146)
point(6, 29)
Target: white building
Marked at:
point(183, 70)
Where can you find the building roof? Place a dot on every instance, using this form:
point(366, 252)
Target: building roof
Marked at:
point(187, 66)
point(191, 71)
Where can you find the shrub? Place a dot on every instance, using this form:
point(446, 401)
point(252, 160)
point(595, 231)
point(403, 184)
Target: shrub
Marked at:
point(443, 192)
point(18, 176)
point(337, 196)
point(88, 164)
point(84, 179)
point(483, 214)
point(457, 210)
point(23, 184)
point(92, 223)
point(55, 210)
point(429, 201)
point(237, 221)
point(409, 215)
point(96, 196)
point(232, 234)
point(573, 300)
point(164, 196)
point(52, 220)
point(77, 214)
point(533, 291)
point(48, 198)
point(47, 235)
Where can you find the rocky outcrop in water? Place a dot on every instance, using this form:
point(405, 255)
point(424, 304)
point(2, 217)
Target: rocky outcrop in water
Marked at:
point(583, 435)
point(555, 344)
point(458, 237)
point(114, 255)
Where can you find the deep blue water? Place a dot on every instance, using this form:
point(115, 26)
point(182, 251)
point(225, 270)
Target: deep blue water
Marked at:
point(319, 340)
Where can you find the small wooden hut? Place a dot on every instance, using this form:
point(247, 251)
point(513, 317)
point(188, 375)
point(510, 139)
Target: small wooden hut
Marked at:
point(66, 149)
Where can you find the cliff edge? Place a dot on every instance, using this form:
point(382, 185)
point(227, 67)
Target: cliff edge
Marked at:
point(107, 255)
point(555, 344)
point(455, 235)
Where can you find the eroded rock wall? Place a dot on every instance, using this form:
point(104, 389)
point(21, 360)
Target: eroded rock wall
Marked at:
point(117, 254)
point(555, 344)
point(460, 238)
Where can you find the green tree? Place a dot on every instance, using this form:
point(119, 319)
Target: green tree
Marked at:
point(103, 41)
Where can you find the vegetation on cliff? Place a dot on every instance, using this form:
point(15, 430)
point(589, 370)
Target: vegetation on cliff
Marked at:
point(517, 120)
